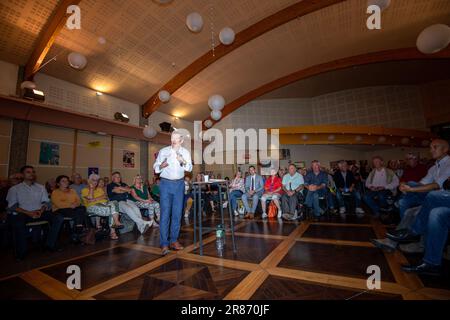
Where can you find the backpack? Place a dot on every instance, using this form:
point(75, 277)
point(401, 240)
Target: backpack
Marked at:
point(273, 210)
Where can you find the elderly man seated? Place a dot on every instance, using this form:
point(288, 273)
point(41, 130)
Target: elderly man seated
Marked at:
point(381, 183)
point(316, 182)
point(345, 185)
point(292, 185)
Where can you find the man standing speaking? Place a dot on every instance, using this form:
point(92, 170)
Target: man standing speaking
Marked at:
point(171, 163)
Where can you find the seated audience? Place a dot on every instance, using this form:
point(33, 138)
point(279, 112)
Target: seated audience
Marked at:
point(96, 203)
point(381, 182)
point(77, 184)
point(394, 165)
point(143, 200)
point(415, 193)
point(345, 184)
point(254, 187)
point(316, 182)
point(28, 202)
point(65, 201)
point(433, 222)
point(237, 189)
point(50, 185)
point(188, 197)
point(414, 171)
point(102, 184)
point(119, 192)
point(293, 183)
point(272, 191)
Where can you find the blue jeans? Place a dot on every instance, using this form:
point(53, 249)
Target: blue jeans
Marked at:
point(411, 199)
point(312, 201)
point(369, 199)
point(234, 196)
point(433, 221)
point(172, 199)
point(355, 195)
point(255, 198)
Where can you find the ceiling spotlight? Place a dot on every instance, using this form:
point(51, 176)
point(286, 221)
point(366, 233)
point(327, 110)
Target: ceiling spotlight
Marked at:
point(99, 93)
point(33, 94)
point(119, 116)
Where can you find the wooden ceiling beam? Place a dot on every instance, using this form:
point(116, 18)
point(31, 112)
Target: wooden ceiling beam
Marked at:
point(403, 54)
point(47, 38)
point(267, 24)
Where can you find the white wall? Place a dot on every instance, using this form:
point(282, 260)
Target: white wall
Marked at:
point(8, 78)
point(77, 98)
point(387, 106)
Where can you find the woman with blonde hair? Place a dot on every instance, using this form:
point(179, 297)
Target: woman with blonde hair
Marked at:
point(143, 200)
point(96, 203)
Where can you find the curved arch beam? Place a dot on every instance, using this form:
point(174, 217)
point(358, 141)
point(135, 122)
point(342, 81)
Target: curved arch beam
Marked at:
point(368, 58)
point(265, 25)
point(51, 30)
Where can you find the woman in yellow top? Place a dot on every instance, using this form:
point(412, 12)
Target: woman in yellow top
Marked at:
point(96, 203)
point(65, 201)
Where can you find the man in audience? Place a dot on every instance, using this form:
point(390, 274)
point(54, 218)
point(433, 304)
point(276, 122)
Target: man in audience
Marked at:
point(77, 184)
point(254, 187)
point(414, 193)
point(292, 185)
point(28, 202)
point(316, 182)
point(433, 222)
point(119, 191)
point(414, 171)
point(381, 183)
point(345, 184)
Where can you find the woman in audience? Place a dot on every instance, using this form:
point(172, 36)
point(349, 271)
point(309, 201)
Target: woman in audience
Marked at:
point(102, 184)
point(65, 201)
point(120, 192)
point(96, 203)
point(143, 200)
point(237, 189)
point(272, 191)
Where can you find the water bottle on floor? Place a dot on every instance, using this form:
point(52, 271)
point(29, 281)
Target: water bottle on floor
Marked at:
point(220, 239)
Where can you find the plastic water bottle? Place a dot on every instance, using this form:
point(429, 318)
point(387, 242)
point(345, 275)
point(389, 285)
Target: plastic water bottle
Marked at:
point(220, 239)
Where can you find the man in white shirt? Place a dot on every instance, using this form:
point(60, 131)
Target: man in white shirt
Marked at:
point(381, 182)
point(172, 162)
point(28, 202)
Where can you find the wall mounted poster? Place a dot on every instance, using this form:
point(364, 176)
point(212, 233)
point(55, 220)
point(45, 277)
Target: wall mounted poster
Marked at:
point(128, 159)
point(49, 154)
point(92, 170)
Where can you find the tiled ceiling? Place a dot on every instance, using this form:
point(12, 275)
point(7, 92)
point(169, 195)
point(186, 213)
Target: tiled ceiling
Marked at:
point(147, 44)
point(332, 33)
point(21, 22)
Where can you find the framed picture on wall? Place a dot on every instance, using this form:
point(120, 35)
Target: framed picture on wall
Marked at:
point(128, 159)
point(92, 170)
point(49, 154)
